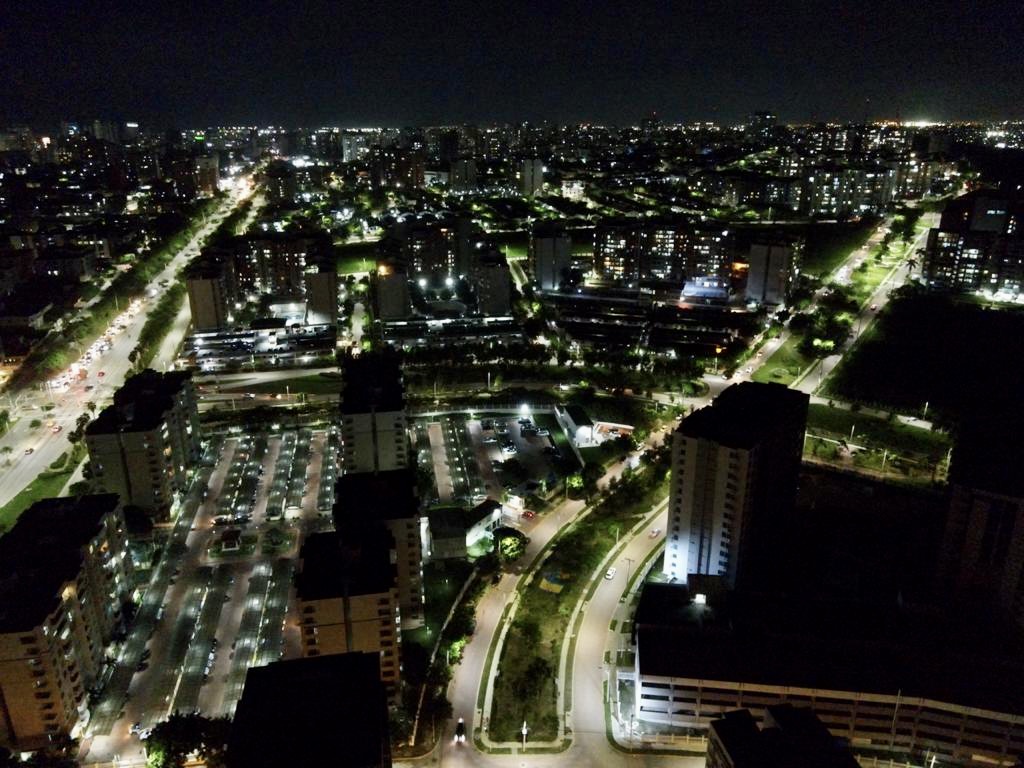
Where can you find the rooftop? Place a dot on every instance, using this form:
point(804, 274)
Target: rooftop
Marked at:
point(373, 382)
point(299, 712)
point(331, 567)
point(43, 552)
point(989, 453)
point(389, 495)
point(792, 738)
point(745, 413)
point(579, 416)
point(141, 403)
point(773, 640)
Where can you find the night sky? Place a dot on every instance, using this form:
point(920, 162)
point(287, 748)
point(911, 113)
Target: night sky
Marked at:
point(190, 64)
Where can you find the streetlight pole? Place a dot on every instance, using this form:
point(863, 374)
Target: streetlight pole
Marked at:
point(629, 564)
point(524, 730)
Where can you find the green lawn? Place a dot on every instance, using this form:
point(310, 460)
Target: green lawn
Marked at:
point(875, 432)
point(784, 364)
point(525, 685)
point(353, 258)
point(46, 486)
point(829, 245)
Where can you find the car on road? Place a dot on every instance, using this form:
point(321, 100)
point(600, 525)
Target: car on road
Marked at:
point(136, 727)
point(610, 573)
point(874, 307)
point(101, 374)
point(57, 428)
point(655, 533)
point(29, 451)
point(529, 514)
point(460, 731)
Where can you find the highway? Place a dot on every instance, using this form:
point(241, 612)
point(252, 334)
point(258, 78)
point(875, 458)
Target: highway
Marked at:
point(68, 405)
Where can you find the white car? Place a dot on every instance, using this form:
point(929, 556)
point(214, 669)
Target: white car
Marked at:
point(610, 573)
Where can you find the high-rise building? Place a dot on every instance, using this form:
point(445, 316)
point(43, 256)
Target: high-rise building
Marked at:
point(143, 446)
point(347, 592)
point(462, 175)
point(982, 555)
point(298, 711)
point(735, 465)
point(391, 292)
point(64, 581)
point(550, 256)
point(493, 282)
point(280, 182)
point(978, 245)
point(355, 145)
point(771, 270)
point(207, 174)
point(760, 128)
point(321, 288)
point(368, 501)
point(373, 418)
point(209, 292)
point(531, 177)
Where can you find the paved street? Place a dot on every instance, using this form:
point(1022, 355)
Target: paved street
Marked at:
point(69, 405)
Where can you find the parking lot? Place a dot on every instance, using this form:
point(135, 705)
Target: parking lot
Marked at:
point(218, 601)
point(473, 456)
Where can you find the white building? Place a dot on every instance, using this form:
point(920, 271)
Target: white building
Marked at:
point(734, 467)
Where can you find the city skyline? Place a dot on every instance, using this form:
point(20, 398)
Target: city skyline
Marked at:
point(403, 64)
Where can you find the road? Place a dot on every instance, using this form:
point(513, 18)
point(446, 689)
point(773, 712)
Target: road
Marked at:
point(588, 748)
point(811, 382)
point(26, 406)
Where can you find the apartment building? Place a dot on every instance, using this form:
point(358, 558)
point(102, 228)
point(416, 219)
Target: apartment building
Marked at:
point(291, 713)
point(64, 579)
point(348, 599)
point(868, 672)
point(388, 501)
point(143, 446)
point(373, 419)
point(734, 469)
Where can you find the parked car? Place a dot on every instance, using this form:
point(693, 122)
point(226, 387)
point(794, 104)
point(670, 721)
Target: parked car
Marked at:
point(610, 573)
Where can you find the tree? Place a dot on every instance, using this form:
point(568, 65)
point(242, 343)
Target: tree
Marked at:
point(510, 544)
point(173, 740)
point(592, 473)
point(5, 420)
point(91, 406)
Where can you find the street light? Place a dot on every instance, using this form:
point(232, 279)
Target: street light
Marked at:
point(524, 730)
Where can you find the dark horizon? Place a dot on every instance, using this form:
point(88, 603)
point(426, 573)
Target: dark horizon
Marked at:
point(396, 64)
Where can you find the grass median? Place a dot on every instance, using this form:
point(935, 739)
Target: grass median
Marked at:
point(525, 686)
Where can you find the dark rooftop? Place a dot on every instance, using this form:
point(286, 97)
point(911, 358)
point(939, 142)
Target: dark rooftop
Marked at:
point(989, 453)
point(837, 645)
point(43, 552)
point(389, 495)
point(745, 413)
point(302, 711)
point(373, 382)
point(792, 738)
point(333, 567)
point(448, 522)
point(141, 402)
point(579, 416)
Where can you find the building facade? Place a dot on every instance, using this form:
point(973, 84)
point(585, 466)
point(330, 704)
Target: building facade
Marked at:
point(64, 580)
point(734, 467)
point(347, 596)
point(143, 446)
